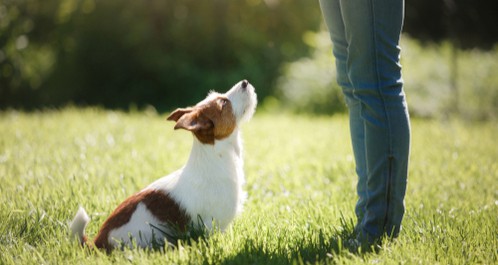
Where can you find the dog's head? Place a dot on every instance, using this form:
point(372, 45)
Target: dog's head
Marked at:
point(217, 116)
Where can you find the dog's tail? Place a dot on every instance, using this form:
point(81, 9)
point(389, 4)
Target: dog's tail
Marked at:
point(77, 226)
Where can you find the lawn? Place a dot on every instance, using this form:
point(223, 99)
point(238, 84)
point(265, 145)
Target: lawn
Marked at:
point(300, 184)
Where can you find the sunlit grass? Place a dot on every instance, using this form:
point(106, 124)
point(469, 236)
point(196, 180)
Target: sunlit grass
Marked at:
point(300, 184)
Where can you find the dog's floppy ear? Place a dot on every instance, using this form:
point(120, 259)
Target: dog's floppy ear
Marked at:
point(178, 113)
point(194, 122)
point(199, 125)
point(191, 120)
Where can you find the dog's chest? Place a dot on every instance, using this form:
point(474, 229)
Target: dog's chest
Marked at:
point(210, 197)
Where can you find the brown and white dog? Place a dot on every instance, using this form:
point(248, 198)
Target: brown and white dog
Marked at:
point(207, 188)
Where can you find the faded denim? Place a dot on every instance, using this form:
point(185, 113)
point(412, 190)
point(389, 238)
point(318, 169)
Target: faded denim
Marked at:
point(365, 36)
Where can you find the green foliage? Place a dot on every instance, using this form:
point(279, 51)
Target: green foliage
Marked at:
point(441, 81)
point(301, 189)
point(165, 53)
point(309, 84)
point(468, 24)
point(160, 52)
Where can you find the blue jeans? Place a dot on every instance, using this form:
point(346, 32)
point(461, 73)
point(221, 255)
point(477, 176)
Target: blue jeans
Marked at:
point(365, 36)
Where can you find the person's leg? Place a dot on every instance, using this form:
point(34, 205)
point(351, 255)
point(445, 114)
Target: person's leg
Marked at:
point(373, 28)
point(333, 17)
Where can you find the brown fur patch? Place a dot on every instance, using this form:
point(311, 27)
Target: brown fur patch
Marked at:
point(178, 113)
point(84, 241)
point(160, 204)
point(211, 121)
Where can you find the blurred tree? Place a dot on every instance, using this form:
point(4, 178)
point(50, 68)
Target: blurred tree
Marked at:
point(309, 84)
point(169, 53)
point(467, 23)
point(162, 52)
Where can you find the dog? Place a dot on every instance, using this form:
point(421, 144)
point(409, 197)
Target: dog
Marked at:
point(208, 189)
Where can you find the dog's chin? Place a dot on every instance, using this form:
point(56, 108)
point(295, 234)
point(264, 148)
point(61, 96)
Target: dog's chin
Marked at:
point(248, 112)
point(244, 101)
point(247, 109)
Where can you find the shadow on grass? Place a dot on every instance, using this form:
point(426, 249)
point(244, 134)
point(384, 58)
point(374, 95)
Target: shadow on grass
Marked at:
point(317, 246)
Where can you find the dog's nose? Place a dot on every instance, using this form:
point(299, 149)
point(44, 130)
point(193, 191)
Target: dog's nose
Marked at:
point(244, 83)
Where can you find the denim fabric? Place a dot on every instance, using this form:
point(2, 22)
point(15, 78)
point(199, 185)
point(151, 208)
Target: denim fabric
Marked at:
point(365, 36)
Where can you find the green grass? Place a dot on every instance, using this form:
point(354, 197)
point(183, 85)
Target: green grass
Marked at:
point(300, 184)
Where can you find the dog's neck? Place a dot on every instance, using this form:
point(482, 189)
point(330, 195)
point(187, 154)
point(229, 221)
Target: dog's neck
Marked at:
point(224, 157)
point(217, 171)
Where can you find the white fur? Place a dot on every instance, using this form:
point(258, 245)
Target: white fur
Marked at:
point(141, 229)
point(209, 186)
point(243, 102)
point(77, 226)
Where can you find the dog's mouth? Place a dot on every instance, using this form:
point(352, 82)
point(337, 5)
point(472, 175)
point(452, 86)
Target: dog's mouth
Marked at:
point(244, 100)
point(250, 100)
point(247, 88)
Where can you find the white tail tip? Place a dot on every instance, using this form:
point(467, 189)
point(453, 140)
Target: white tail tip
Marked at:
point(77, 226)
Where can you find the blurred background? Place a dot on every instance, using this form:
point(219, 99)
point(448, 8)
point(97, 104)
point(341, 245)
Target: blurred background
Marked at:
point(162, 54)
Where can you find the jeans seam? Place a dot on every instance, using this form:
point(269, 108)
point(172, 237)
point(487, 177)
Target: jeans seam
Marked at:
point(389, 156)
point(377, 74)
